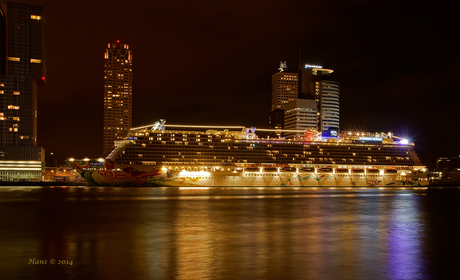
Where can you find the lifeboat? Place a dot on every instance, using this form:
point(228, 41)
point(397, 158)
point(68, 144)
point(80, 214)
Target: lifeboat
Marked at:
point(307, 170)
point(252, 169)
point(325, 170)
point(373, 171)
point(270, 169)
point(288, 169)
point(357, 170)
point(341, 170)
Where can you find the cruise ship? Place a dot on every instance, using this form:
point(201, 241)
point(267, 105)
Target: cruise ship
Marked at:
point(230, 156)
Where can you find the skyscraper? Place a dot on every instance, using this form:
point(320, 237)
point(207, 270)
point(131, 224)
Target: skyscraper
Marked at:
point(22, 62)
point(284, 89)
point(317, 83)
point(118, 84)
point(22, 69)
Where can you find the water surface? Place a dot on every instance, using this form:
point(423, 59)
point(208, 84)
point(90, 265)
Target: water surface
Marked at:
point(227, 233)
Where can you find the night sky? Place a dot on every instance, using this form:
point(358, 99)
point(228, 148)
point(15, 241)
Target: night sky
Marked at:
point(210, 62)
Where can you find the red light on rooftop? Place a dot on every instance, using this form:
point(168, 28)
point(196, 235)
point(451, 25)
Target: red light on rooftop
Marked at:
point(43, 78)
point(118, 41)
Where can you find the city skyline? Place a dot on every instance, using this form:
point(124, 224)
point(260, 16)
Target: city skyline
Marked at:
point(385, 55)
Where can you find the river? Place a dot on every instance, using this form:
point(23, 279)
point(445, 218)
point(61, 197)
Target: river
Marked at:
point(229, 233)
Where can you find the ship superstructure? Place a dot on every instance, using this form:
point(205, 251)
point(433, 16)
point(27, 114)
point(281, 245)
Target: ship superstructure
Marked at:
point(178, 155)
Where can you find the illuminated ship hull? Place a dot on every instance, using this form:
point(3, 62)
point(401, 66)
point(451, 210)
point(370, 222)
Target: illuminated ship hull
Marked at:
point(177, 158)
point(136, 176)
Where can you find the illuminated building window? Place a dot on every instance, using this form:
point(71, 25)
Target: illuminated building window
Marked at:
point(16, 92)
point(16, 119)
point(13, 107)
point(14, 59)
point(32, 60)
point(35, 17)
point(2, 92)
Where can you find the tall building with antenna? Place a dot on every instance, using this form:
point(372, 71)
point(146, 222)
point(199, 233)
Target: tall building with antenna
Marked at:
point(22, 70)
point(118, 84)
point(284, 89)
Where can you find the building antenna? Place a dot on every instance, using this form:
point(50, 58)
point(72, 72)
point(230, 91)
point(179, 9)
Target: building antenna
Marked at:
point(283, 66)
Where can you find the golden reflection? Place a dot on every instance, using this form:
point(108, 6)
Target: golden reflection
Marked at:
point(194, 235)
point(205, 235)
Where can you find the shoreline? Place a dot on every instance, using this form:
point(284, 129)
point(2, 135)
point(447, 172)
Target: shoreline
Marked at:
point(83, 184)
point(40, 184)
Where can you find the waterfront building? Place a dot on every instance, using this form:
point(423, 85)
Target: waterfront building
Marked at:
point(300, 114)
point(318, 84)
point(118, 84)
point(22, 69)
point(447, 171)
point(284, 89)
point(21, 163)
point(63, 173)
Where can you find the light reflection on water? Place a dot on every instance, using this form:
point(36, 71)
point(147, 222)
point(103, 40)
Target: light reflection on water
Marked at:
point(226, 233)
point(404, 241)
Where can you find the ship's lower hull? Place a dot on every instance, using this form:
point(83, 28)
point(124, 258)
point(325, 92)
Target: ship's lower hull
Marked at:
point(244, 179)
